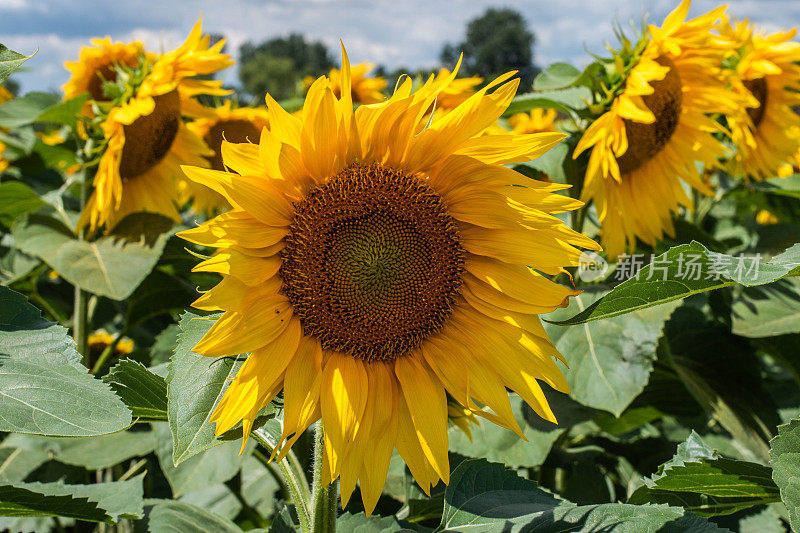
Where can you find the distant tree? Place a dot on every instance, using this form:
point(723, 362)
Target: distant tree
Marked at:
point(496, 42)
point(278, 65)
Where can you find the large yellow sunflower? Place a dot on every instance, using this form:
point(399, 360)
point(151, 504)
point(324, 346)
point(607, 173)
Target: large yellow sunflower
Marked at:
point(148, 139)
point(233, 124)
point(767, 132)
point(373, 264)
point(656, 130)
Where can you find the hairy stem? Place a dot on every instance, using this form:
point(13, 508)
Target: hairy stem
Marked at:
point(325, 497)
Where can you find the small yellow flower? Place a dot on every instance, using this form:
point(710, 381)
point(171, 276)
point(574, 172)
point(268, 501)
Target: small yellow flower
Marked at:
point(538, 120)
point(765, 218)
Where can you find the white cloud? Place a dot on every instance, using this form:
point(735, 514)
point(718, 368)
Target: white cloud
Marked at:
point(396, 33)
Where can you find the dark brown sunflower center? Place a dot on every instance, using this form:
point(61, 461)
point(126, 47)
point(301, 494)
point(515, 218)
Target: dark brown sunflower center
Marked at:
point(758, 87)
point(235, 131)
point(150, 137)
point(646, 140)
point(372, 262)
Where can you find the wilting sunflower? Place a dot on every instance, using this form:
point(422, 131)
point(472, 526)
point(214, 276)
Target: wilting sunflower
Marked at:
point(767, 132)
point(147, 137)
point(98, 64)
point(656, 128)
point(373, 264)
point(233, 124)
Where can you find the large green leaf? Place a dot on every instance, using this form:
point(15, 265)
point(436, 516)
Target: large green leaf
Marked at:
point(360, 523)
point(486, 497)
point(610, 361)
point(17, 463)
point(100, 502)
point(671, 276)
point(43, 387)
point(769, 310)
point(496, 443)
point(212, 466)
point(143, 392)
point(40, 107)
point(720, 371)
point(565, 100)
point(17, 199)
point(170, 515)
point(109, 266)
point(104, 451)
point(557, 76)
point(194, 385)
point(10, 61)
point(701, 481)
point(785, 461)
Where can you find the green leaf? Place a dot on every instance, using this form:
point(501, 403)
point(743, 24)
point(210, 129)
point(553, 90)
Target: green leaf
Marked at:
point(557, 76)
point(486, 497)
point(609, 362)
point(785, 460)
point(100, 502)
point(17, 199)
point(10, 61)
point(496, 443)
point(768, 311)
point(19, 501)
point(671, 277)
point(108, 266)
point(201, 470)
point(483, 494)
point(104, 451)
point(40, 107)
point(143, 227)
point(143, 392)
point(718, 370)
point(194, 385)
point(711, 487)
point(788, 186)
point(66, 112)
point(17, 463)
point(564, 100)
point(43, 387)
point(171, 515)
point(361, 523)
point(159, 294)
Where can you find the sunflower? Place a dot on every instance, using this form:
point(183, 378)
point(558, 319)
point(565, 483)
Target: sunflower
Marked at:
point(453, 92)
point(767, 131)
point(3, 161)
point(235, 125)
point(98, 64)
point(655, 130)
point(147, 139)
point(374, 264)
point(538, 120)
point(5, 96)
point(364, 89)
point(101, 339)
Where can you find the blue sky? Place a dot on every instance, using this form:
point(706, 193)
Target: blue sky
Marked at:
point(392, 32)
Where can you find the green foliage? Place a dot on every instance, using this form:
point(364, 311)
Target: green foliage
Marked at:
point(42, 387)
point(496, 42)
point(785, 462)
point(668, 279)
point(109, 266)
point(278, 66)
point(143, 392)
point(40, 107)
point(10, 61)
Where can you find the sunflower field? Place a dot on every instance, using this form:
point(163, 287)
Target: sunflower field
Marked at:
point(441, 302)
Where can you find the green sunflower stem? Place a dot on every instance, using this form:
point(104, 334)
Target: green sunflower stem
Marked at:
point(80, 317)
point(293, 477)
point(325, 497)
